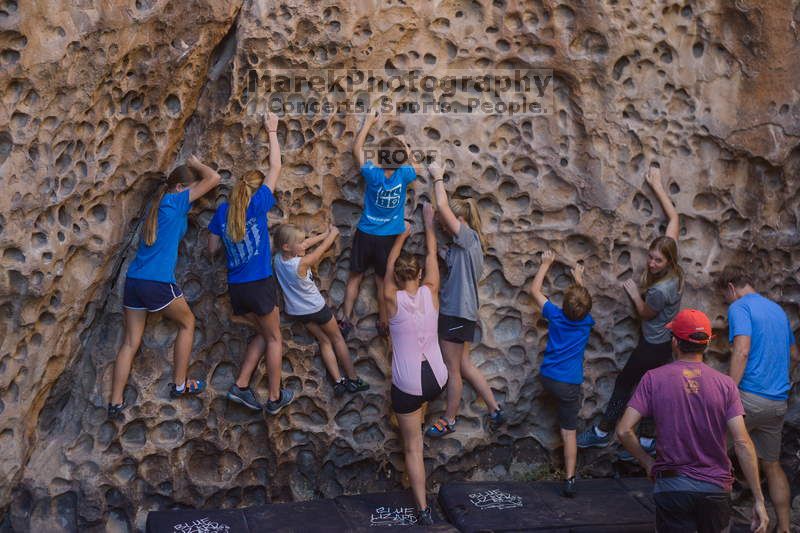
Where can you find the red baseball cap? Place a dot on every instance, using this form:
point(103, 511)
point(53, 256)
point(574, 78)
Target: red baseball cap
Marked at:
point(689, 321)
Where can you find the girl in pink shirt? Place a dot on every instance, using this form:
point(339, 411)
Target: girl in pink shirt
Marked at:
point(418, 371)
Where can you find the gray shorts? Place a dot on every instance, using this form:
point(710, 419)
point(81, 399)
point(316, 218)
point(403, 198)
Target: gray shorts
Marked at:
point(764, 421)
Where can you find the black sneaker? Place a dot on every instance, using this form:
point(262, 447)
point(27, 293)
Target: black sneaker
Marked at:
point(285, 399)
point(345, 326)
point(424, 517)
point(497, 419)
point(245, 397)
point(115, 411)
point(356, 385)
point(569, 490)
point(340, 387)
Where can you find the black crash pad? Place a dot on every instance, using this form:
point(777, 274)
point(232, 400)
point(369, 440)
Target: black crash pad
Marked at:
point(602, 505)
point(197, 521)
point(368, 512)
point(298, 517)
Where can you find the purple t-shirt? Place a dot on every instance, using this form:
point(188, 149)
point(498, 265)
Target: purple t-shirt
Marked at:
point(691, 404)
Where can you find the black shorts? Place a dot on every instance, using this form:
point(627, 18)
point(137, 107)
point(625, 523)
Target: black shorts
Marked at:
point(370, 251)
point(404, 403)
point(456, 329)
point(151, 296)
point(257, 297)
point(704, 512)
point(323, 316)
point(569, 401)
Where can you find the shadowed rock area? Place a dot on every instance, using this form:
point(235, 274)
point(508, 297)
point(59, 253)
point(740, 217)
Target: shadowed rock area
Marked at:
point(98, 98)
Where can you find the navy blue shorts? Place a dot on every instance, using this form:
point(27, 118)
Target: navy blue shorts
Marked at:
point(146, 295)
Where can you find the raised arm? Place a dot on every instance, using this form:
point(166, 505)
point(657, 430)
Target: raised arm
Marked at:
point(644, 311)
point(538, 280)
point(312, 259)
point(746, 453)
point(431, 260)
point(271, 123)
point(208, 178)
point(446, 214)
point(316, 239)
point(577, 273)
point(358, 146)
point(389, 286)
point(654, 179)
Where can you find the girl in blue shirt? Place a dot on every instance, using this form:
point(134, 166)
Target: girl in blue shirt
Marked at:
point(150, 284)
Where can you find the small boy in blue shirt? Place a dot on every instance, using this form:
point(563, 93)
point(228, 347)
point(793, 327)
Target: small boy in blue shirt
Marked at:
point(561, 372)
point(381, 221)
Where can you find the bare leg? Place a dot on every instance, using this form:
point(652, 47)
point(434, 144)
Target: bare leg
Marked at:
point(412, 446)
point(351, 293)
point(381, 301)
point(477, 380)
point(331, 329)
point(778, 493)
point(269, 326)
point(451, 352)
point(133, 323)
point(255, 349)
point(326, 349)
point(178, 311)
point(570, 450)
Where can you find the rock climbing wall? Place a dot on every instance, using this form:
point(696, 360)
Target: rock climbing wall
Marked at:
point(98, 98)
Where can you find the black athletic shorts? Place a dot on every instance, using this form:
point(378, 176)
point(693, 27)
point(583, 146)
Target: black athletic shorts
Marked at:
point(257, 297)
point(370, 251)
point(147, 295)
point(323, 316)
point(569, 401)
point(405, 403)
point(456, 329)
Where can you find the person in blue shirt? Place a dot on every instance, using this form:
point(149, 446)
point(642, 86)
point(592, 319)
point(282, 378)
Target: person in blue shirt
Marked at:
point(240, 224)
point(561, 372)
point(150, 284)
point(381, 221)
point(764, 355)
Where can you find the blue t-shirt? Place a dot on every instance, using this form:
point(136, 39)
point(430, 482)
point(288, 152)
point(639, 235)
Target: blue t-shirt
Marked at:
point(157, 262)
point(771, 337)
point(384, 199)
point(566, 342)
point(248, 259)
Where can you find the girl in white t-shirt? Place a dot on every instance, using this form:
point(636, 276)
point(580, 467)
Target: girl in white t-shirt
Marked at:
point(303, 301)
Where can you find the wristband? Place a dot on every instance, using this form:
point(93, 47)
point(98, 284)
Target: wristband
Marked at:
point(438, 179)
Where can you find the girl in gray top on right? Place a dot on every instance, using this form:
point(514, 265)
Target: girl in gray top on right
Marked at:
point(663, 287)
point(458, 311)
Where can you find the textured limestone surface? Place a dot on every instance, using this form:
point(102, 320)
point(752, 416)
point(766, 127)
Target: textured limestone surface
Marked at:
point(98, 97)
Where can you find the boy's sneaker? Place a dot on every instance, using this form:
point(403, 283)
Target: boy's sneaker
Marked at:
point(590, 439)
point(285, 399)
point(497, 419)
point(440, 428)
point(340, 387)
point(569, 490)
point(190, 388)
point(424, 517)
point(626, 456)
point(245, 397)
point(115, 410)
point(356, 385)
point(345, 326)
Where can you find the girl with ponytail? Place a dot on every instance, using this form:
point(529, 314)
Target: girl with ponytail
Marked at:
point(458, 314)
point(241, 225)
point(150, 284)
point(663, 287)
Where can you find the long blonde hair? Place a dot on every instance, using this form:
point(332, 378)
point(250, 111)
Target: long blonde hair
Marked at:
point(468, 210)
point(181, 175)
point(669, 249)
point(286, 234)
point(238, 202)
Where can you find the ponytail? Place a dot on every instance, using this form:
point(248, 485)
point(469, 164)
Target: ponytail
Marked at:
point(468, 210)
point(181, 175)
point(239, 201)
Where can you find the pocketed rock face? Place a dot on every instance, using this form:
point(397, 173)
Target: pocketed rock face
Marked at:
point(97, 100)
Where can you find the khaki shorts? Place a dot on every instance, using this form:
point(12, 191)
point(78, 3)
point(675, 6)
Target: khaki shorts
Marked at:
point(764, 421)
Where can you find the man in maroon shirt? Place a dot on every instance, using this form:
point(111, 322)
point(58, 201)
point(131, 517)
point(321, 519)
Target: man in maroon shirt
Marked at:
point(693, 407)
